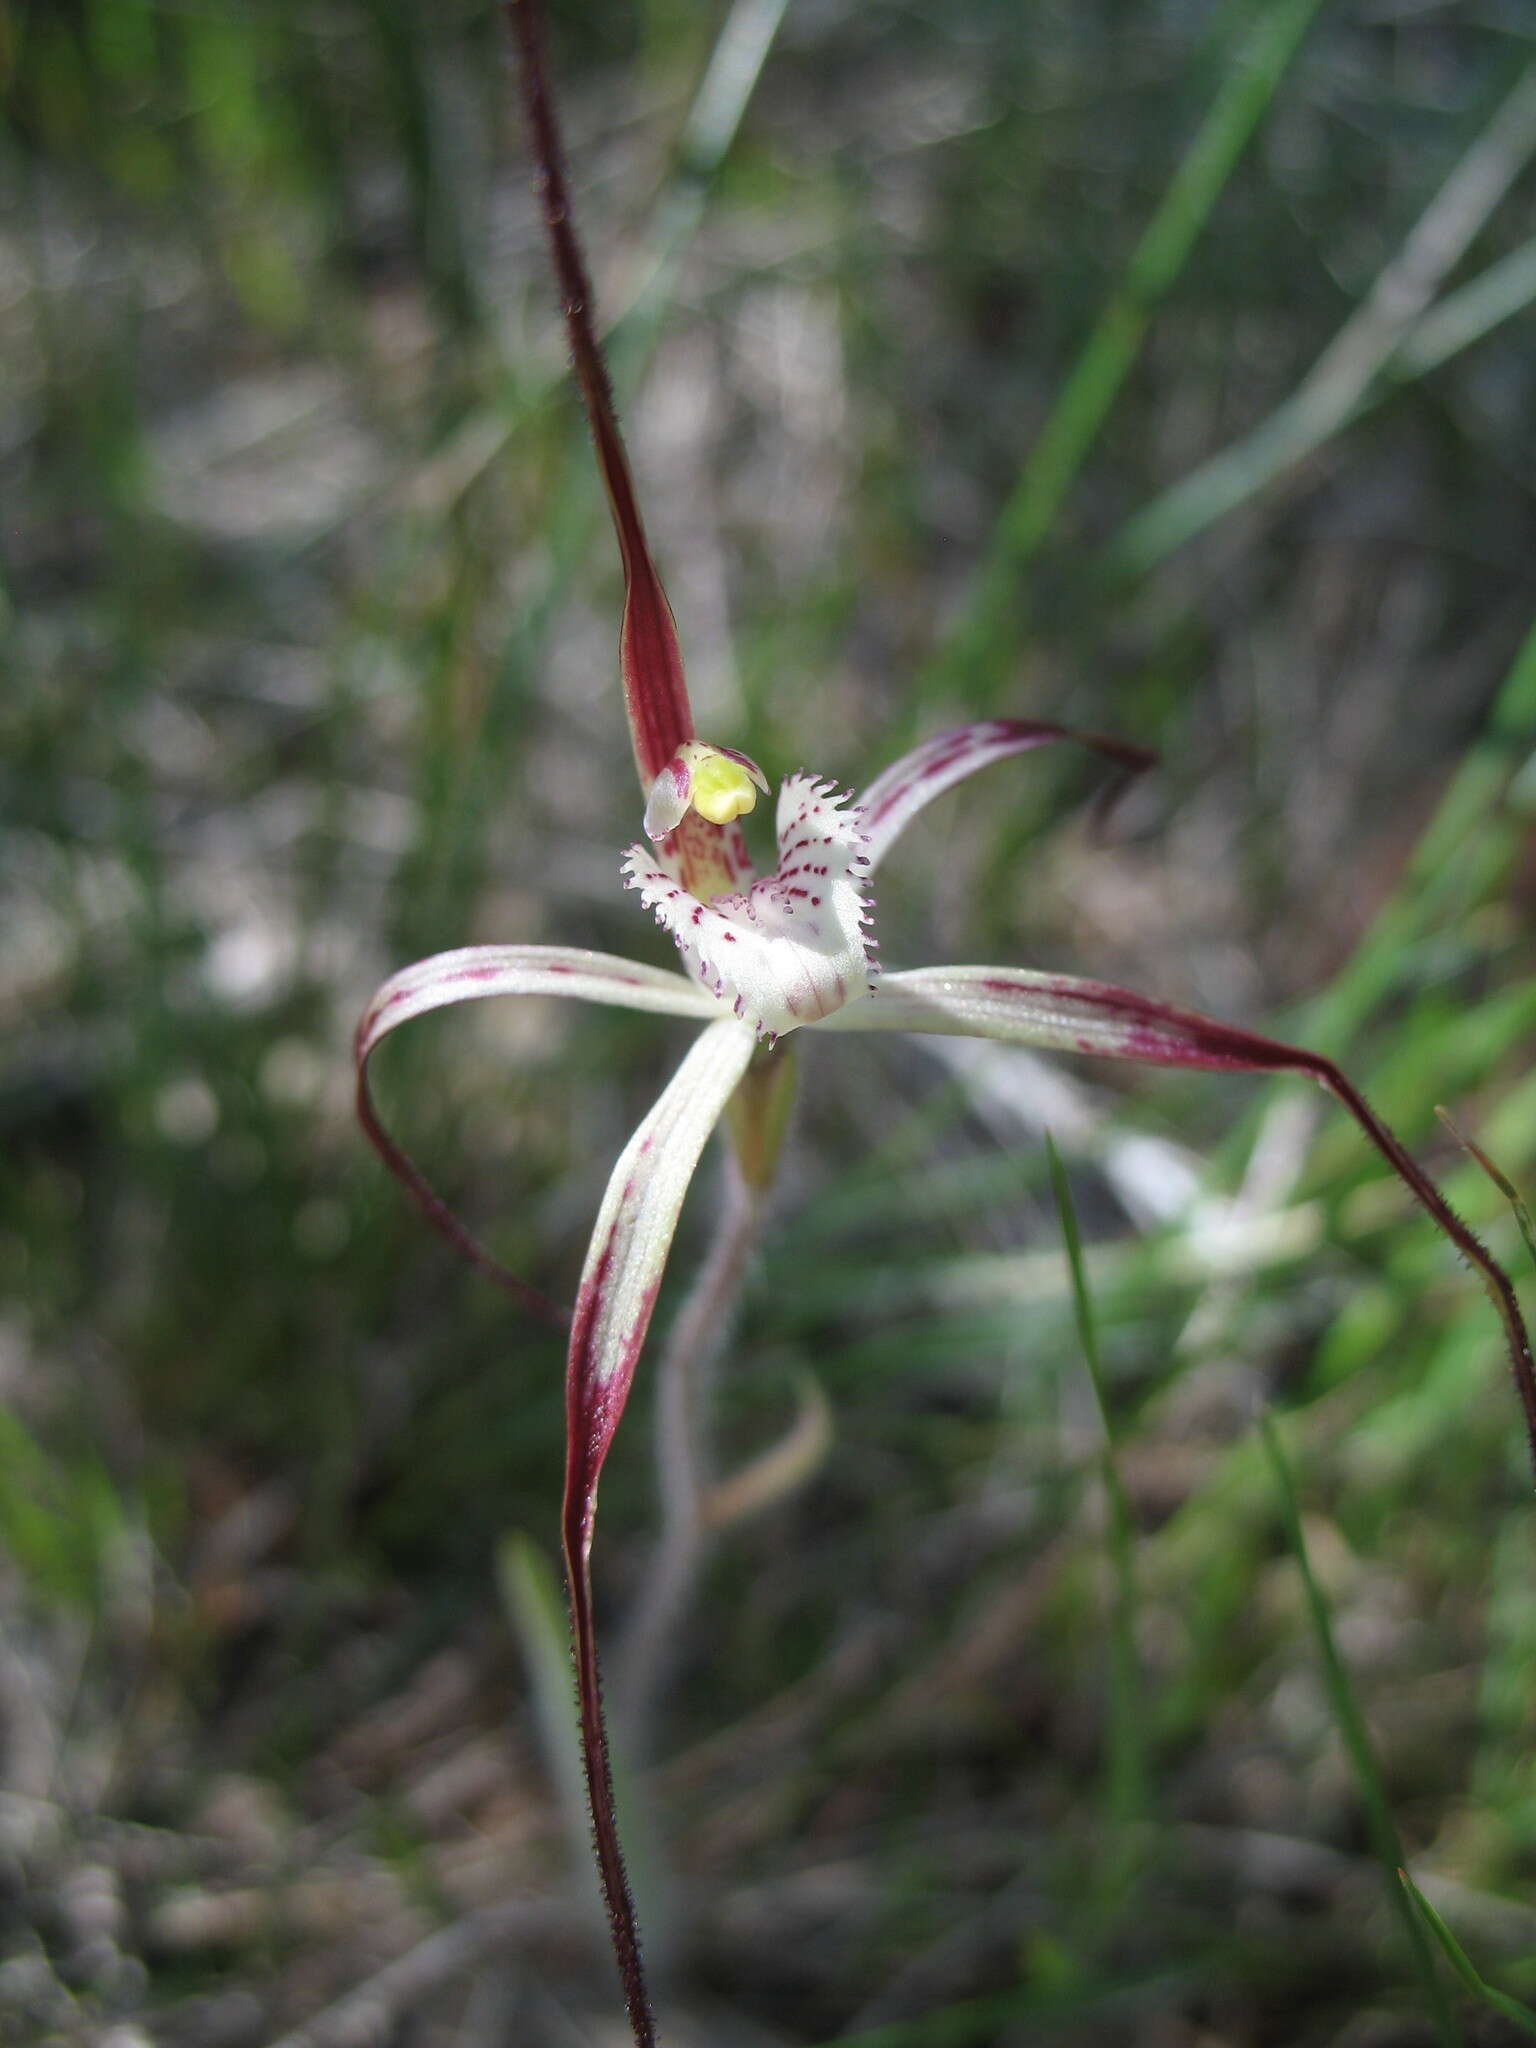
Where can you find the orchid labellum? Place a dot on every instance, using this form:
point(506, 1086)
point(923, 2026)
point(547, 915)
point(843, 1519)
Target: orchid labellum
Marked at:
point(761, 956)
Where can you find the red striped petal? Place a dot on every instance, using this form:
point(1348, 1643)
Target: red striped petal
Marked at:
point(894, 798)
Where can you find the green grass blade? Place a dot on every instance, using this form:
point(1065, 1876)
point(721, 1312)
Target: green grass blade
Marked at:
point(1127, 1750)
point(1500, 1179)
point(535, 1609)
point(1472, 812)
point(534, 1604)
point(1501, 2002)
point(1336, 387)
point(729, 81)
point(1106, 358)
point(714, 120)
point(983, 2021)
point(1464, 316)
point(1356, 1738)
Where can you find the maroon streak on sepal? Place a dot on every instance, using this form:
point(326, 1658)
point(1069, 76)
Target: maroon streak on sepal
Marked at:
point(655, 691)
point(1067, 1015)
point(894, 798)
point(623, 1270)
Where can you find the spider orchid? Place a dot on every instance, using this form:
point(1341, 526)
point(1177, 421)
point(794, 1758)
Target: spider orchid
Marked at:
point(763, 956)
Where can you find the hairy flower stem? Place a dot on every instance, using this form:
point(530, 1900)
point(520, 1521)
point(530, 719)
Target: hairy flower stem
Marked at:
point(682, 1461)
point(623, 1926)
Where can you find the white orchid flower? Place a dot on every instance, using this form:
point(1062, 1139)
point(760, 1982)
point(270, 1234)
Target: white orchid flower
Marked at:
point(763, 956)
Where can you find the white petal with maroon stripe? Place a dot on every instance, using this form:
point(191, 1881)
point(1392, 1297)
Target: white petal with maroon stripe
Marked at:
point(795, 946)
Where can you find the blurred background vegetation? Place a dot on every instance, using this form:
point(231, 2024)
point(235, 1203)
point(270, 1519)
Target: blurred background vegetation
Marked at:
point(309, 613)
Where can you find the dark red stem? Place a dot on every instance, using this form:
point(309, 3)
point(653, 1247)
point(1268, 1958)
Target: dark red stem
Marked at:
point(1496, 1281)
point(623, 1926)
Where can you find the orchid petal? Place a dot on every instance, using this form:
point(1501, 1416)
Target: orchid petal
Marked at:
point(1063, 1014)
point(624, 1265)
point(465, 975)
point(894, 798)
point(470, 972)
point(667, 805)
point(793, 947)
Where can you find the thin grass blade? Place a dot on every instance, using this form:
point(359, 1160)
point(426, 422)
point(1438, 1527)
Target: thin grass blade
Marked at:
point(1357, 1742)
point(1338, 383)
point(780, 1470)
point(1501, 2002)
point(1127, 1750)
point(1107, 356)
point(530, 1595)
point(1464, 316)
point(1435, 883)
point(1500, 1179)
